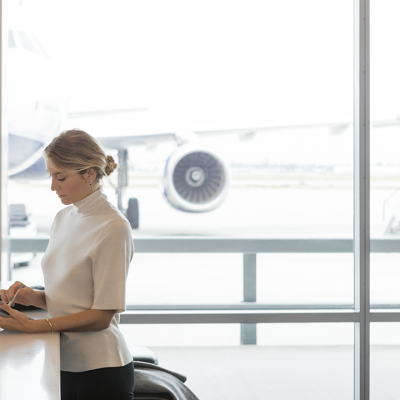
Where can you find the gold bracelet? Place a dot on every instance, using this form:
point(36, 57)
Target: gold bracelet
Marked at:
point(51, 326)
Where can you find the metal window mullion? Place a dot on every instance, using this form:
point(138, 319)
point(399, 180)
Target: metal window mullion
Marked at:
point(4, 241)
point(361, 199)
point(248, 332)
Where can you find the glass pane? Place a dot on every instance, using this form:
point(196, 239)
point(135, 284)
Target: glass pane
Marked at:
point(314, 361)
point(385, 165)
point(237, 120)
point(291, 160)
point(385, 279)
point(385, 353)
point(308, 279)
point(181, 335)
point(186, 278)
point(255, 97)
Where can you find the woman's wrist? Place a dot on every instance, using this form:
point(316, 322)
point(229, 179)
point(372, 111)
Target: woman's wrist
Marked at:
point(38, 326)
point(39, 299)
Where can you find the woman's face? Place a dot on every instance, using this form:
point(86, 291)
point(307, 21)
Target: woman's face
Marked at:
point(71, 188)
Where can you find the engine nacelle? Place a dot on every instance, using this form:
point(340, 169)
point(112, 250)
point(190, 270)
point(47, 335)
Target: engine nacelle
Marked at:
point(195, 179)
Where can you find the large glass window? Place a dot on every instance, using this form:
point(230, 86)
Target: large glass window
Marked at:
point(232, 124)
point(262, 90)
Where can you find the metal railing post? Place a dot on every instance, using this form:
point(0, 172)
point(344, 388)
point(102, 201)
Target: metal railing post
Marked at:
point(248, 332)
point(361, 200)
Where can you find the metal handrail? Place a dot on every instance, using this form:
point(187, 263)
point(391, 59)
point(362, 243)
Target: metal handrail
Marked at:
point(226, 245)
point(254, 306)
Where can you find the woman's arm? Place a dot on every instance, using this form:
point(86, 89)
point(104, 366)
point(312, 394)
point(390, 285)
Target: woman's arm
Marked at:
point(39, 299)
point(90, 320)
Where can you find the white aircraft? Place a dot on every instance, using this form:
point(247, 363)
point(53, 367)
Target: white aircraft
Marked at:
point(196, 178)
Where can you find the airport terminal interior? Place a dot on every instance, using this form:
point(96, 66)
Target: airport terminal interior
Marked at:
point(258, 168)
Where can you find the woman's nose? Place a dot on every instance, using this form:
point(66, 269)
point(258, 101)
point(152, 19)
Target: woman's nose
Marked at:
point(54, 185)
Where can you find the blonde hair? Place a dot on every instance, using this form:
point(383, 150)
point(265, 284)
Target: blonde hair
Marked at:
point(75, 151)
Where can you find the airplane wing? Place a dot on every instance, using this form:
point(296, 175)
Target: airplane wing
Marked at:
point(94, 113)
point(385, 123)
point(335, 128)
point(150, 138)
point(122, 128)
point(123, 142)
point(135, 126)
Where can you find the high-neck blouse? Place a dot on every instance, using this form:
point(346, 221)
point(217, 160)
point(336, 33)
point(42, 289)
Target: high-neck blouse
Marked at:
point(91, 204)
point(85, 267)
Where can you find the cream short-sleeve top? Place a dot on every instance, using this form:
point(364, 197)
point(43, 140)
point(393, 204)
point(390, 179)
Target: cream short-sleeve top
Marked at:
point(85, 267)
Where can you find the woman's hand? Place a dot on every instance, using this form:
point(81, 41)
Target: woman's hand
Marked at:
point(26, 296)
point(16, 321)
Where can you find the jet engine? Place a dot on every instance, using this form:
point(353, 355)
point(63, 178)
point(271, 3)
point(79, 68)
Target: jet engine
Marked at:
point(195, 179)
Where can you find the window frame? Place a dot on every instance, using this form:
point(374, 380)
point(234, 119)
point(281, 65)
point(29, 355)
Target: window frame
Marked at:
point(361, 316)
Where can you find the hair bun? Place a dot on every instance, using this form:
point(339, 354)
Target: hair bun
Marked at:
point(111, 165)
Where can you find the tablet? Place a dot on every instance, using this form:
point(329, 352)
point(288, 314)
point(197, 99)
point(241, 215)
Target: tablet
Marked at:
point(4, 313)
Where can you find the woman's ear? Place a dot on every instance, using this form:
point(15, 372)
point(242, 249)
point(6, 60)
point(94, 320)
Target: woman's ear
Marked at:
point(91, 173)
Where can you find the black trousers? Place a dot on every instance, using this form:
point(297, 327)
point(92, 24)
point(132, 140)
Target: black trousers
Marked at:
point(98, 384)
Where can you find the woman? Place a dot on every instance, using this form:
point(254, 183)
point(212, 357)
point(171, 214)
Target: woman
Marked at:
point(85, 268)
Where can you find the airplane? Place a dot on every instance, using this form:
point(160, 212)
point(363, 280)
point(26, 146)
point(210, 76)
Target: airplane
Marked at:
point(196, 179)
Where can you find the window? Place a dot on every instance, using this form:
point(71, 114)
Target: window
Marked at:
point(291, 79)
